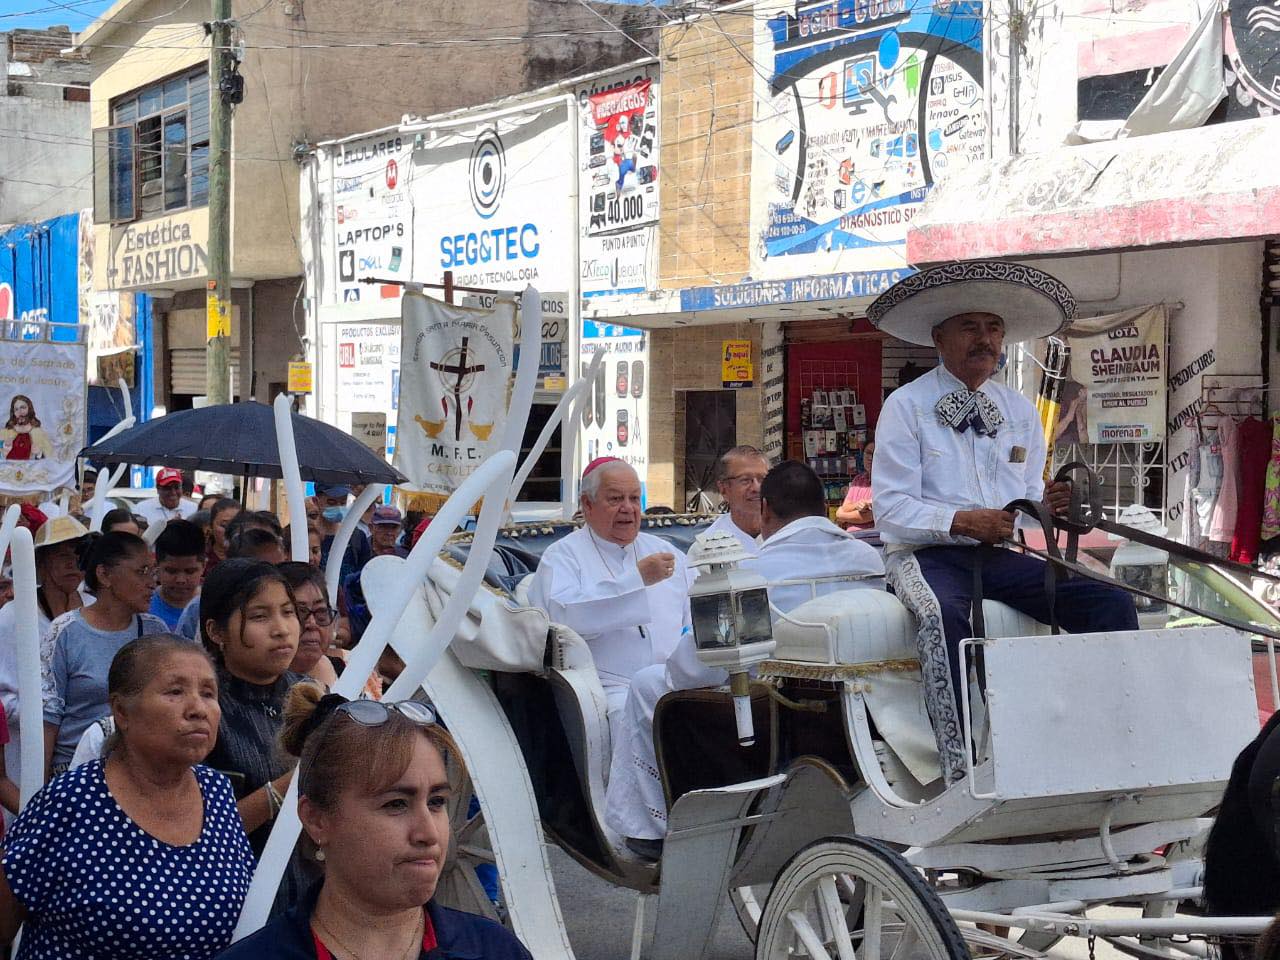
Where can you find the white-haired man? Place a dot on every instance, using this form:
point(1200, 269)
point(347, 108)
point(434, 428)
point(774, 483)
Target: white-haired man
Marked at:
point(623, 591)
point(741, 470)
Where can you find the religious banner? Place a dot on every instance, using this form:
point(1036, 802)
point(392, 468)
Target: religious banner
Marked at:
point(1115, 389)
point(455, 371)
point(42, 401)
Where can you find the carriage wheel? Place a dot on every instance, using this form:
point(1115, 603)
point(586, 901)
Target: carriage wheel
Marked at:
point(844, 898)
point(460, 887)
point(748, 904)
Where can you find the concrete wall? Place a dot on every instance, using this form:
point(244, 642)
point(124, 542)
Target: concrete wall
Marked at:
point(683, 359)
point(706, 157)
point(45, 159)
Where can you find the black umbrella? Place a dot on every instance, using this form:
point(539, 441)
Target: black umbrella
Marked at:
point(240, 438)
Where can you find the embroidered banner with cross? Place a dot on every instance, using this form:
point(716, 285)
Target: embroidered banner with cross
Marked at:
point(455, 380)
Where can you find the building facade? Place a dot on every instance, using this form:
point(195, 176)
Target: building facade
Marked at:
point(306, 77)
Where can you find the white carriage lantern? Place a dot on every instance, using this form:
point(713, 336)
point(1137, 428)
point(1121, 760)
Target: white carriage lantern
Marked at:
point(731, 624)
point(1143, 567)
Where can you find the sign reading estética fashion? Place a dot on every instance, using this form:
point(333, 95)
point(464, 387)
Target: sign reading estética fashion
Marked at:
point(165, 250)
point(860, 108)
point(485, 201)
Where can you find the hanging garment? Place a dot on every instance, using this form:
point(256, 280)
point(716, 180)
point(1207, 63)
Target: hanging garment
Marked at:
point(1222, 521)
point(1255, 453)
point(1271, 494)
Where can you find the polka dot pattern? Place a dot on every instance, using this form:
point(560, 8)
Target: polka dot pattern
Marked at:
point(96, 885)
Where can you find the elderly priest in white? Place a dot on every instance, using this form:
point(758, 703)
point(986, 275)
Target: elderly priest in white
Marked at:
point(798, 542)
point(623, 591)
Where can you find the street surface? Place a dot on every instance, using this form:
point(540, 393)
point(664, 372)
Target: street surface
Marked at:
point(599, 917)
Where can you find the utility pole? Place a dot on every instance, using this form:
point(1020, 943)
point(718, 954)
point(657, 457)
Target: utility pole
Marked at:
point(226, 88)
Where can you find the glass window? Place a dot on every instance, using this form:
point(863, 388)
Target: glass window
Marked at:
point(157, 157)
point(149, 101)
point(175, 161)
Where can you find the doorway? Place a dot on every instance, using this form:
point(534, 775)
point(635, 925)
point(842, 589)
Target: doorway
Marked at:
point(710, 428)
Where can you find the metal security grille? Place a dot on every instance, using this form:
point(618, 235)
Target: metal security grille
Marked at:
point(187, 371)
point(1130, 472)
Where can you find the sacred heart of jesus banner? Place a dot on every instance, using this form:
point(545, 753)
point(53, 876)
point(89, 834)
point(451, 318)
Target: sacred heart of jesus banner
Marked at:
point(455, 375)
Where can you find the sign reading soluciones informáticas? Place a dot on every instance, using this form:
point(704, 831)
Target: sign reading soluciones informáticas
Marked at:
point(1116, 387)
point(860, 108)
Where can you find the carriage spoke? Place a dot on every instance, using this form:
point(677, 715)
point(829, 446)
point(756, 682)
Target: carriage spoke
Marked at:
point(907, 944)
point(808, 936)
point(872, 921)
point(836, 920)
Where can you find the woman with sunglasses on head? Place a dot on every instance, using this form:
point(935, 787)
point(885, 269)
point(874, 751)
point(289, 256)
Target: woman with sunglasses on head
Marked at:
point(373, 796)
point(79, 646)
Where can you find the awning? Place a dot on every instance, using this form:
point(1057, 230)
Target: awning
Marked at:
point(1216, 183)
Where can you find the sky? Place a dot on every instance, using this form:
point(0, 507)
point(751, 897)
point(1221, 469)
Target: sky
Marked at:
point(29, 14)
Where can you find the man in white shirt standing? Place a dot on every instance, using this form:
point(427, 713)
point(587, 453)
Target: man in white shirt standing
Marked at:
point(798, 541)
point(953, 448)
point(169, 503)
point(741, 471)
point(623, 591)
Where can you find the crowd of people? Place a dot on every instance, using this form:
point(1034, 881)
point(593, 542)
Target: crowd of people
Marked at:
point(184, 684)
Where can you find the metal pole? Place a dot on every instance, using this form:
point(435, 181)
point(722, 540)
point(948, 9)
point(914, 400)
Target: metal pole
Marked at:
point(218, 297)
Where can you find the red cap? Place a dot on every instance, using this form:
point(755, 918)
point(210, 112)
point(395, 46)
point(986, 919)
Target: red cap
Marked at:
point(167, 476)
point(33, 517)
point(420, 529)
point(599, 462)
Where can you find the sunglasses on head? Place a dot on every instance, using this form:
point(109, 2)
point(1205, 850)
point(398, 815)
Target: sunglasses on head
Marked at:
point(374, 713)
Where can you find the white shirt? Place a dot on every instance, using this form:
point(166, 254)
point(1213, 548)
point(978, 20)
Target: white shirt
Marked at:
point(724, 524)
point(153, 511)
point(593, 586)
point(807, 547)
point(926, 471)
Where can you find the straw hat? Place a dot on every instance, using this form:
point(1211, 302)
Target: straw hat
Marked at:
point(1031, 303)
point(59, 530)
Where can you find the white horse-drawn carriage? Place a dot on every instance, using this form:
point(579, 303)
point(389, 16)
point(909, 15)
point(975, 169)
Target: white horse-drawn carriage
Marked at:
point(1096, 762)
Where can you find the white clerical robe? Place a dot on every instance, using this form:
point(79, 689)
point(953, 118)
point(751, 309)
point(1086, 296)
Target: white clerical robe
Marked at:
point(593, 586)
point(809, 547)
point(724, 524)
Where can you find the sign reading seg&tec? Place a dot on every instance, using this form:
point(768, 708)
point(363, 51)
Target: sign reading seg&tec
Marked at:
point(487, 190)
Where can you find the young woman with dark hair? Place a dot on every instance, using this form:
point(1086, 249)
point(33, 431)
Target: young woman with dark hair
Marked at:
point(80, 645)
point(249, 624)
point(373, 797)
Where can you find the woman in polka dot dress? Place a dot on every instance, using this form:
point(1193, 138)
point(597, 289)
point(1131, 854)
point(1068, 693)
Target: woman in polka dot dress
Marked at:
point(140, 855)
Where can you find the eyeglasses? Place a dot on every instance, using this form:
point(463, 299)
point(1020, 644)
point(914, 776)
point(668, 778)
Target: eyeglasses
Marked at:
point(746, 479)
point(323, 615)
point(146, 573)
point(374, 713)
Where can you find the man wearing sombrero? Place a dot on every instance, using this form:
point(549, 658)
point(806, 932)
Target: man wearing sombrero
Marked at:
point(953, 448)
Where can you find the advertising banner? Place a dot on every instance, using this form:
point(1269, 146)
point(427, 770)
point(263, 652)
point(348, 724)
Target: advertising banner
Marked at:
point(42, 401)
point(487, 205)
point(454, 383)
point(619, 182)
point(736, 369)
point(371, 217)
point(108, 315)
point(615, 418)
point(367, 370)
point(1115, 390)
point(860, 108)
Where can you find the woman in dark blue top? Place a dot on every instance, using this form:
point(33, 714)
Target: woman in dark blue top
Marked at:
point(373, 796)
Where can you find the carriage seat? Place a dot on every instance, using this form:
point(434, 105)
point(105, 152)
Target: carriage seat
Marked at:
point(860, 627)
